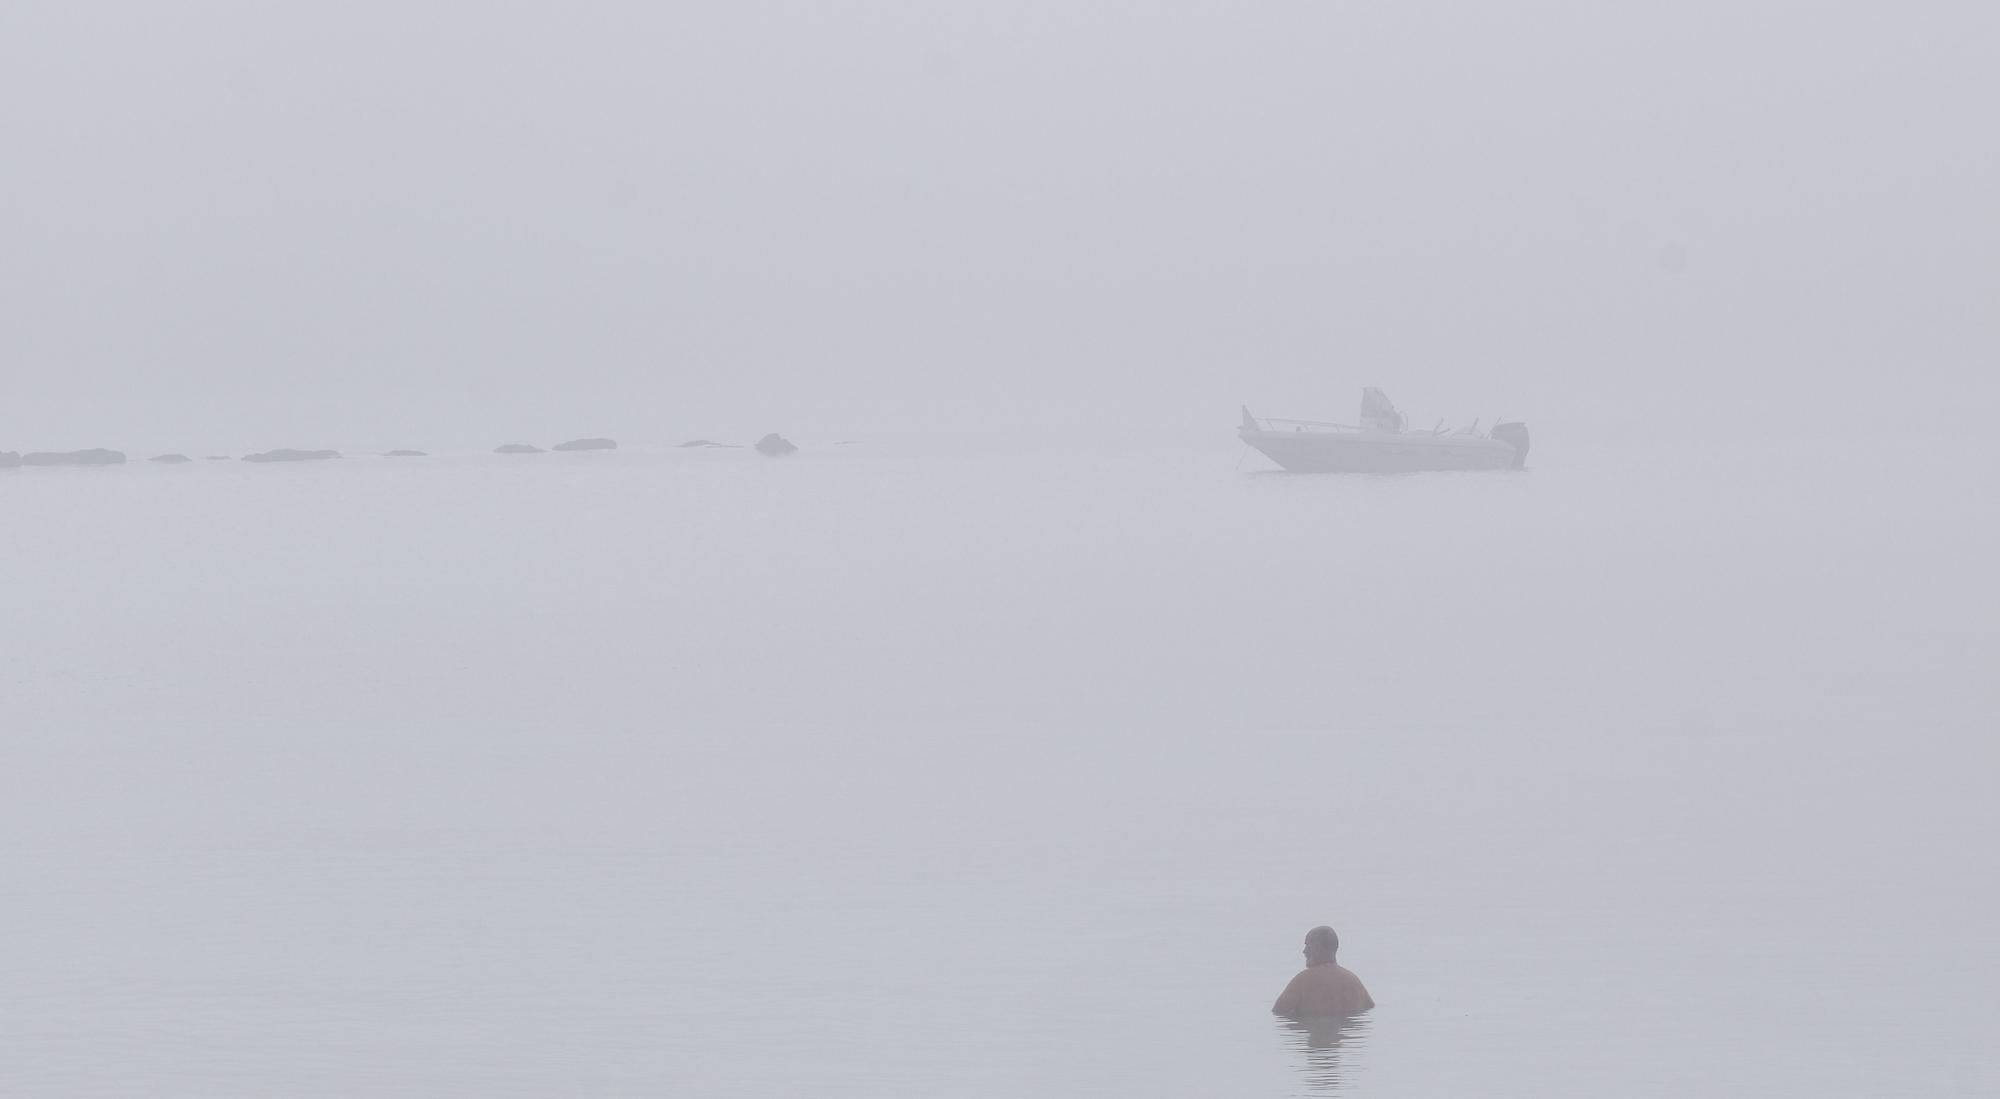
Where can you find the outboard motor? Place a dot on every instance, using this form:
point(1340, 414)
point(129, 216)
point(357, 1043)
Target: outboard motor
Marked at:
point(1514, 434)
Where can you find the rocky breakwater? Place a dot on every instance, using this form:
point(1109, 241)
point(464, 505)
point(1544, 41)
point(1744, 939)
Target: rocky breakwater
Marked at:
point(97, 456)
point(283, 454)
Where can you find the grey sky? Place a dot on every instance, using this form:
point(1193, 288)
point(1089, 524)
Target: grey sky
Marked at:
point(428, 223)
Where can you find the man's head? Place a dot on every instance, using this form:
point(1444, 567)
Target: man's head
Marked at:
point(1321, 945)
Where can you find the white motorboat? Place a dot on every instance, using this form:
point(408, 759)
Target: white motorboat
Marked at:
point(1383, 443)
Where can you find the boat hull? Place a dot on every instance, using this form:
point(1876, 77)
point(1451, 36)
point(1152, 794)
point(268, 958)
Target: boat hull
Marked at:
point(1380, 452)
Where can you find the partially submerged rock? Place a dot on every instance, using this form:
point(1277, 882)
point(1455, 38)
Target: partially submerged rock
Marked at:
point(775, 444)
point(284, 454)
point(588, 444)
point(9, 459)
point(517, 448)
point(171, 459)
point(404, 454)
point(96, 456)
point(707, 442)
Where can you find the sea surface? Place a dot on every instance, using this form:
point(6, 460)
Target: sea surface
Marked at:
point(917, 769)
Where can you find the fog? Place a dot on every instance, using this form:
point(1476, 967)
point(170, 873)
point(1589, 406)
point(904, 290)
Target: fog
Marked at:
point(1009, 736)
point(234, 226)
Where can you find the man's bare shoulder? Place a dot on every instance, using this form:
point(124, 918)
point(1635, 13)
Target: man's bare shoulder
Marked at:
point(1289, 1000)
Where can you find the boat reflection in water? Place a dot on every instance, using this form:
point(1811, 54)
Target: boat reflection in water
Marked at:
point(1320, 1046)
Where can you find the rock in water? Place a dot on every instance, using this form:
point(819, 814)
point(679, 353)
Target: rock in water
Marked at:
point(588, 444)
point(172, 459)
point(283, 454)
point(9, 459)
point(517, 448)
point(775, 444)
point(97, 456)
point(709, 442)
point(405, 454)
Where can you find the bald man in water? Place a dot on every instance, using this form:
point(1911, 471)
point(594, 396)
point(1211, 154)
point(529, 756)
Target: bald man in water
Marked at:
point(1322, 988)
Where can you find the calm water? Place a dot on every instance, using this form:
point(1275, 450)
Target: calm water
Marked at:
point(891, 772)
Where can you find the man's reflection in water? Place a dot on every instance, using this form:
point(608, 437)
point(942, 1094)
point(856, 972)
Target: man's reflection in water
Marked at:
point(1319, 1042)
